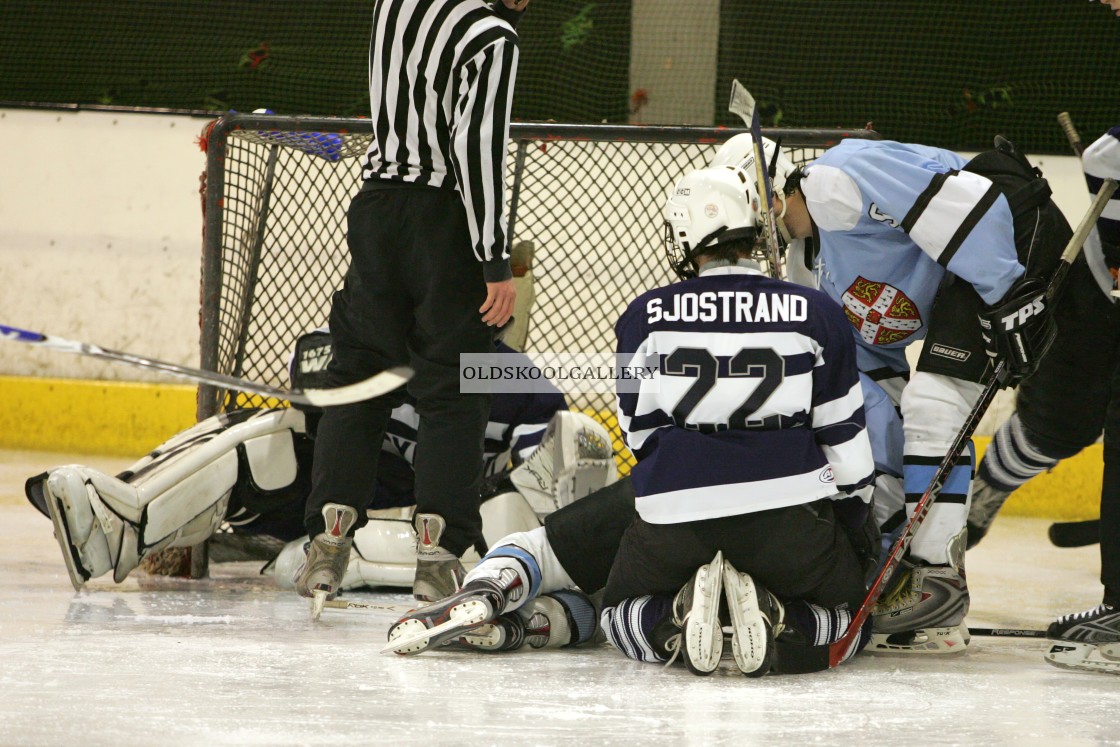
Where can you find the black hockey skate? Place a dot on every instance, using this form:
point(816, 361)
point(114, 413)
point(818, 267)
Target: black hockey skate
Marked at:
point(563, 618)
point(427, 627)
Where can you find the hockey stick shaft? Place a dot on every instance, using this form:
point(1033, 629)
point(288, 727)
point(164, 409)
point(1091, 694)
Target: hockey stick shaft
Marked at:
point(838, 651)
point(348, 604)
point(743, 105)
point(374, 386)
point(1071, 133)
point(1006, 632)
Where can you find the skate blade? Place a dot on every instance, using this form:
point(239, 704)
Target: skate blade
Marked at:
point(1084, 657)
point(704, 637)
point(318, 601)
point(937, 641)
point(748, 637)
point(468, 614)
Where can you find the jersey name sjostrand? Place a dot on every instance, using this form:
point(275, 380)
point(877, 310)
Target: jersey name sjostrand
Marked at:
point(729, 306)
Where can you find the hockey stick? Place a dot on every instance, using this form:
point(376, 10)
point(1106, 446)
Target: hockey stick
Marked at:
point(348, 604)
point(375, 386)
point(742, 104)
point(1075, 533)
point(1071, 133)
point(839, 650)
point(1007, 632)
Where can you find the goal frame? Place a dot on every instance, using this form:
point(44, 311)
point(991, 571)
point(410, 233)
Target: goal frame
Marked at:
point(218, 133)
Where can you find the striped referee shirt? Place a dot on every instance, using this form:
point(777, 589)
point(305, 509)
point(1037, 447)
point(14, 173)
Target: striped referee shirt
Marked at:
point(441, 85)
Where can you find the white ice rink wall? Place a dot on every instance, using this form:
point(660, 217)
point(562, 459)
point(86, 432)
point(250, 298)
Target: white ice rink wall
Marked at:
point(101, 234)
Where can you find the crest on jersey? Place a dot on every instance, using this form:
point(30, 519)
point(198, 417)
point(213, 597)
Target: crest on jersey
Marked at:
point(881, 313)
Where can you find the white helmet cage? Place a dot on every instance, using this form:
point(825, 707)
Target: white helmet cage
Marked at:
point(708, 207)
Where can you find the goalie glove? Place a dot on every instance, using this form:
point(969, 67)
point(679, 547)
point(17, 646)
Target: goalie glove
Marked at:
point(1019, 330)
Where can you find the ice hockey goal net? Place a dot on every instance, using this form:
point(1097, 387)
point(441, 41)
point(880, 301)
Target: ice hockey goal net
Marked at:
point(588, 198)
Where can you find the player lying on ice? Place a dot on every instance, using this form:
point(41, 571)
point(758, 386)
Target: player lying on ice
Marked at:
point(950, 255)
point(245, 475)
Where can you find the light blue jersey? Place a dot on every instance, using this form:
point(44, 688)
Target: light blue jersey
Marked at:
point(892, 219)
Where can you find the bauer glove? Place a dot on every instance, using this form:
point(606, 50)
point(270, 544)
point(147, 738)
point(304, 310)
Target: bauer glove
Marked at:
point(1019, 330)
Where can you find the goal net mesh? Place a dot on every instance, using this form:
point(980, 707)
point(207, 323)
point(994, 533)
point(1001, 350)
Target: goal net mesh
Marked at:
point(589, 198)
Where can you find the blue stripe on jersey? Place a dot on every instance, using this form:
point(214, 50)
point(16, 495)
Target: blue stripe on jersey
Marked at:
point(918, 472)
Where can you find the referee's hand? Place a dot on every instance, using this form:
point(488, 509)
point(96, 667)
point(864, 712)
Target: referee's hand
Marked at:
point(499, 303)
point(520, 5)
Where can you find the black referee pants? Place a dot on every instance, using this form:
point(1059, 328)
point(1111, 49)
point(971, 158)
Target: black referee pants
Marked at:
point(411, 296)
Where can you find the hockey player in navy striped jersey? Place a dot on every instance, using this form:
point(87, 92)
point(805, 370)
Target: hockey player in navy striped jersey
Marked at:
point(533, 574)
point(914, 242)
point(429, 279)
point(750, 440)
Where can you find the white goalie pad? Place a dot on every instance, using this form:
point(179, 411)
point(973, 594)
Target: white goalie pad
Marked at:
point(384, 551)
point(575, 458)
point(175, 496)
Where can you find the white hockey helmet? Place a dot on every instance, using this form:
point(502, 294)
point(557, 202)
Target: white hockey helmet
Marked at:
point(739, 151)
point(708, 207)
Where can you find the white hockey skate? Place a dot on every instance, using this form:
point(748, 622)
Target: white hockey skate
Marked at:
point(439, 573)
point(696, 614)
point(563, 618)
point(756, 620)
point(1085, 657)
point(432, 625)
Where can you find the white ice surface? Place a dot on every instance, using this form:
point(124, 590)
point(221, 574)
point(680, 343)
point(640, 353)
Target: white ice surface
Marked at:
point(233, 660)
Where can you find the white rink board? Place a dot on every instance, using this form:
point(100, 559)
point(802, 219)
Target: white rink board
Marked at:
point(100, 234)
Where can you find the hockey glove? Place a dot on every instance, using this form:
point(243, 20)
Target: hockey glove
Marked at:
point(1019, 330)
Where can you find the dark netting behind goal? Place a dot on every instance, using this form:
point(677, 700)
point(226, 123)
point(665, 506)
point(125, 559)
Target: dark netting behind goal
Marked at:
point(950, 73)
point(588, 198)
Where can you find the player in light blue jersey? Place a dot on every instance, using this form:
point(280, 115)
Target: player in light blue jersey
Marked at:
point(916, 243)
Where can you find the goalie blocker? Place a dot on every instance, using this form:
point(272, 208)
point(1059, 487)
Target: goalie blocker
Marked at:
point(248, 466)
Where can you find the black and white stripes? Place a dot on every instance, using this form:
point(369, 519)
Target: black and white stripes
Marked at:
point(441, 86)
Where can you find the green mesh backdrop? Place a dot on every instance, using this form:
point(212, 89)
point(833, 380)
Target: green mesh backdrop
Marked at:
point(949, 73)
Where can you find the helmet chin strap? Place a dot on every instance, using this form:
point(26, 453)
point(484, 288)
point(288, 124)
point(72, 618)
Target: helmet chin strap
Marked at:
point(779, 219)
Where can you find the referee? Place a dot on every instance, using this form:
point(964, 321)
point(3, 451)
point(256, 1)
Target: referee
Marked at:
point(429, 279)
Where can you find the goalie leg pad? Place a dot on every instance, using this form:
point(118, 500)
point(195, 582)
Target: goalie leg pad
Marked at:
point(97, 525)
point(176, 496)
point(574, 459)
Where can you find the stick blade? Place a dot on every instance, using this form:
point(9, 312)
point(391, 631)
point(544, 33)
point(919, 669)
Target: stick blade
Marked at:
point(742, 103)
point(1075, 533)
point(374, 386)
